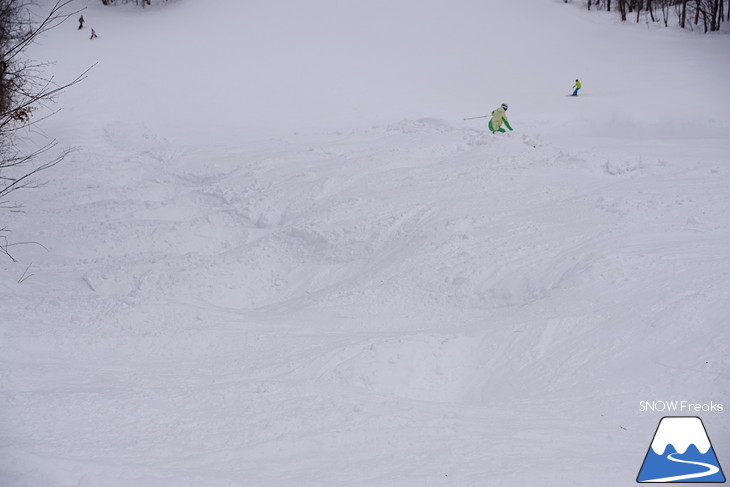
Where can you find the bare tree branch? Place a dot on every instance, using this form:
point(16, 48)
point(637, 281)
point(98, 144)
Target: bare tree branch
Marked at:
point(23, 89)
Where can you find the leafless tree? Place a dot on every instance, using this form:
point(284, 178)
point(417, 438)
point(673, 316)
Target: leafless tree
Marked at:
point(705, 14)
point(23, 89)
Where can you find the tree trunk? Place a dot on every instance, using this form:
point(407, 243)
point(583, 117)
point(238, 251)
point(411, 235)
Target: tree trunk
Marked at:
point(720, 13)
point(716, 15)
point(697, 12)
point(622, 9)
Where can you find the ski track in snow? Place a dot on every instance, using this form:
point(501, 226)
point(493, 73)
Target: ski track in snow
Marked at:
point(220, 310)
point(415, 302)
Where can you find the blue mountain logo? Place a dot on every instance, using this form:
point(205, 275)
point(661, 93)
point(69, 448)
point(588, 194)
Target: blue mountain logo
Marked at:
point(681, 452)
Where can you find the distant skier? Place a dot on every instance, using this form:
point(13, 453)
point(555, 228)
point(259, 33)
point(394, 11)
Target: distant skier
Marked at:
point(498, 117)
point(93, 34)
point(81, 22)
point(577, 87)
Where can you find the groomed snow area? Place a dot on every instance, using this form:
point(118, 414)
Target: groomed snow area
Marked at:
point(280, 256)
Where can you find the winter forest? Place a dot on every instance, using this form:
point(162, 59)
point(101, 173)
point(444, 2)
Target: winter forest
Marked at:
point(364, 243)
point(707, 15)
point(701, 14)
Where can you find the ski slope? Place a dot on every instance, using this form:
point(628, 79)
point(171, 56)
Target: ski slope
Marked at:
point(280, 256)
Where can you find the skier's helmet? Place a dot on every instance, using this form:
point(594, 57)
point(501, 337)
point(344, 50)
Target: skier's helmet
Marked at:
point(504, 105)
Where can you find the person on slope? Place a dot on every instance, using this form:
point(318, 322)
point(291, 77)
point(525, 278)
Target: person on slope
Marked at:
point(81, 22)
point(498, 117)
point(93, 34)
point(577, 86)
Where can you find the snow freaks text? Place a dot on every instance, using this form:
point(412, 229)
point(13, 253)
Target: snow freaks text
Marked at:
point(679, 407)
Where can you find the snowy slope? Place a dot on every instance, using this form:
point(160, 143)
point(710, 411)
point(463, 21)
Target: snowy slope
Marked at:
point(281, 257)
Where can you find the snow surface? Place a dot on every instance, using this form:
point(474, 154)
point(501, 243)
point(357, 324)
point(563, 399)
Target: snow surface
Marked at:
point(280, 257)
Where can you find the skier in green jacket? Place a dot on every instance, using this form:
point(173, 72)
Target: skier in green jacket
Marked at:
point(498, 117)
point(577, 86)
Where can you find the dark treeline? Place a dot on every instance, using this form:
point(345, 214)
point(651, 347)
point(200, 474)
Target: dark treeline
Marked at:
point(688, 14)
point(114, 2)
point(143, 3)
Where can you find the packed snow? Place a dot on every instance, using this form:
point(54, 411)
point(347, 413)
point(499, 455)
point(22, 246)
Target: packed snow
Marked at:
point(279, 255)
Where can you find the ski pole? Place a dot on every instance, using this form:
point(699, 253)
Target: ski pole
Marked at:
point(480, 116)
